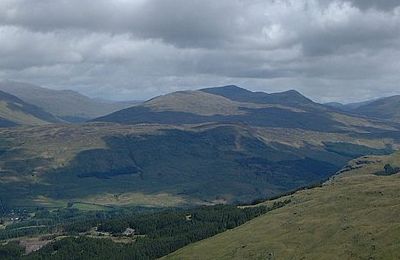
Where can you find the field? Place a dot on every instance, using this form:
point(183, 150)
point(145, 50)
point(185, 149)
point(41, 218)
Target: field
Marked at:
point(353, 216)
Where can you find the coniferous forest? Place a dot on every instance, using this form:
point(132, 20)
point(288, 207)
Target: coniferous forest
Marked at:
point(150, 234)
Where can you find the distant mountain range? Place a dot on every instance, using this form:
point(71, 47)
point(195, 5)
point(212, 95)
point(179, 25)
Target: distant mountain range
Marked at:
point(384, 108)
point(349, 106)
point(67, 105)
point(230, 104)
point(387, 108)
point(218, 104)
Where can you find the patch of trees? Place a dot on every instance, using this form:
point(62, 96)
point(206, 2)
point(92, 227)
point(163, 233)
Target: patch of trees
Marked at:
point(24, 231)
point(388, 169)
point(11, 251)
point(156, 232)
point(71, 221)
point(160, 233)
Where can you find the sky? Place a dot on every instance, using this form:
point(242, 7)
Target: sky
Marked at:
point(339, 50)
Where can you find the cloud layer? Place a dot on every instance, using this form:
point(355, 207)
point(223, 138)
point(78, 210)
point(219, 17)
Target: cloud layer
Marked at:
point(330, 50)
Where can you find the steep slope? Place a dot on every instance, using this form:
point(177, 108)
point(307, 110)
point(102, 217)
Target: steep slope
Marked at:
point(233, 104)
point(353, 216)
point(14, 111)
point(384, 108)
point(111, 164)
point(66, 104)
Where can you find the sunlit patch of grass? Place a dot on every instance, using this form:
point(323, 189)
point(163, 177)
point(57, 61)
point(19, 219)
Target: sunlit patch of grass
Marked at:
point(136, 199)
point(88, 206)
point(49, 202)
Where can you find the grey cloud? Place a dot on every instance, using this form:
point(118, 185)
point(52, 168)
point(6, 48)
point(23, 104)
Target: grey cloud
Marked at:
point(198, 23)
point(378, 4)
point(143, 48)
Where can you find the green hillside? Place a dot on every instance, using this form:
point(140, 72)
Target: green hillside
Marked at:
point(353, 216)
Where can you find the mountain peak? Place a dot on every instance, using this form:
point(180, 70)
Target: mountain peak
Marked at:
point(292, 92)
point(291, 96)
point(226, 91)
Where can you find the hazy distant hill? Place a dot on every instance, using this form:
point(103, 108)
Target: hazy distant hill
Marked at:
point(350, 106)
point(14, 111)
point(66, 104)
point(229, 104)
point(385, 108)
point(336, 105)
point(355, 216)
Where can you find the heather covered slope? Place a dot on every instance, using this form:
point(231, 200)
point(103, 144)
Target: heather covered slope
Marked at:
point(353, 216)
point(66, 104)
point(14, 111)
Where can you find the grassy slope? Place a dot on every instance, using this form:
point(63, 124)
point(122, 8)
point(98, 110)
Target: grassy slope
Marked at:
point(355, 216)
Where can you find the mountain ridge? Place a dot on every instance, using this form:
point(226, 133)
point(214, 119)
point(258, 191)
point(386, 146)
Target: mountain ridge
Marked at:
point(69, 105)
point(384, 108)
point(236, 93)
point(232, 104)
point(14, 111)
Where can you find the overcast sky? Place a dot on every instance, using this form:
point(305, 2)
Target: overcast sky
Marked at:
point(135, 49)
